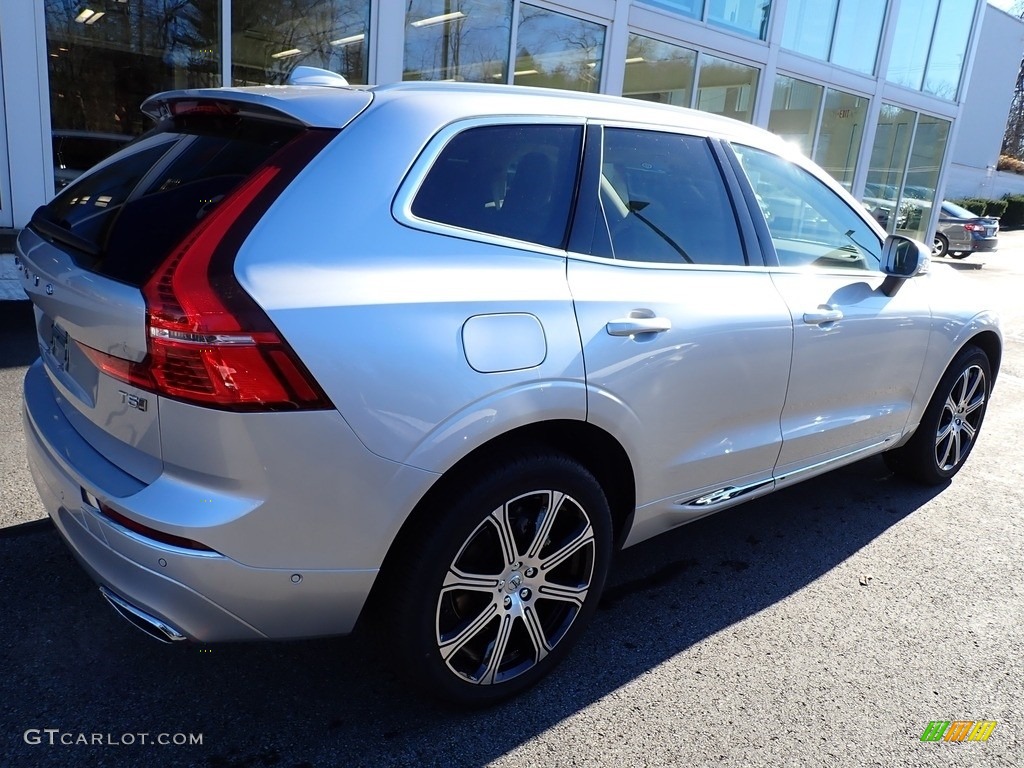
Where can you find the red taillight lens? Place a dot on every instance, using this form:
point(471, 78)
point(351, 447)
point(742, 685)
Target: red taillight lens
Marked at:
point(209, 342)
point(153, 533)
point(971, 227)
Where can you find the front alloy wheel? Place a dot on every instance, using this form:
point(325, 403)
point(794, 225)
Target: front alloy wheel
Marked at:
point(960, 418)
point(950, 425)
point(500, 579)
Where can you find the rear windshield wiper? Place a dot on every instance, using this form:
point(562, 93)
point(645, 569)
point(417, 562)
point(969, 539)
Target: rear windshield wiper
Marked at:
point(51, 229)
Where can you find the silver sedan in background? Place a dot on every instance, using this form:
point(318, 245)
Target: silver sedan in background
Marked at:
point(961, 232)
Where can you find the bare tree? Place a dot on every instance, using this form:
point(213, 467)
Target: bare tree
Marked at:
point(1013, 139)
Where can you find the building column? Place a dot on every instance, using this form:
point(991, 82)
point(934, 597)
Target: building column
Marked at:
point(27, 107)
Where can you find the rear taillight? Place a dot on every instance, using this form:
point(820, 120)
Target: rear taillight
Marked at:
point(152, 533)
point(971, 227)
point(209, 342)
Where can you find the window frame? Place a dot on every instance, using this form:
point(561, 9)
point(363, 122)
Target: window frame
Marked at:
point(402, 204)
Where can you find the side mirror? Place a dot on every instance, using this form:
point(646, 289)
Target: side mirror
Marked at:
point(902, 258)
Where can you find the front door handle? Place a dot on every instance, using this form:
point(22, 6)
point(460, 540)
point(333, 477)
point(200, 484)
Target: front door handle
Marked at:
point(632, 326)
point(822, 315)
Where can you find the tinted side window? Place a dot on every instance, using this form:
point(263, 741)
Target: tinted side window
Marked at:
point(510, 180)
point(664, 200)
point(809, 223)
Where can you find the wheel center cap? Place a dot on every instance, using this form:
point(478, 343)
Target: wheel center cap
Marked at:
point(514, 582)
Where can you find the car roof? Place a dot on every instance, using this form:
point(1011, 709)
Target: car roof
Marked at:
point(332, 106)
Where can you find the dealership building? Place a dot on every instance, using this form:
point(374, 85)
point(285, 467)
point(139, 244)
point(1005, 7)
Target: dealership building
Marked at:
point(875, 91)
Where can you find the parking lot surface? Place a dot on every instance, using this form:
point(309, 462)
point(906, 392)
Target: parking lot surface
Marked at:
point(827, 624)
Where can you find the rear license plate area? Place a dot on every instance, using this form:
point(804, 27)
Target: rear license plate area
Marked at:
point(59, 346)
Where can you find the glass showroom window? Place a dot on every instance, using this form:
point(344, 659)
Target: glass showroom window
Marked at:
point(949, 48)
point(840, 134)
point(105, 59)
point(808, 28)
point(726, 88)
point(554, 50)
point(845, 32)
point(466, 40)
point(858, 34)
point(795, 108)
point(888, 166)
point(926, 156)
point(269, 38)
point(930, 45)
point(824, 122)
point(904, 173)
point(692, 8)
point(749, 17)
point(659, 72)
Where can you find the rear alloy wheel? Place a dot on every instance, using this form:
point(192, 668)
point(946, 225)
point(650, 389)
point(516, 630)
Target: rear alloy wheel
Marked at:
point(951, 423)
point(940, 246)
point(503, 581)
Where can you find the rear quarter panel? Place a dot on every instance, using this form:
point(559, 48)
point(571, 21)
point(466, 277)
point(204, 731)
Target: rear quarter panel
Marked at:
point(376, 309)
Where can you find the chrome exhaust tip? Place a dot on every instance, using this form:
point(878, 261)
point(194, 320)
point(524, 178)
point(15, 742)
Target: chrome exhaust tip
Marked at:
point(141, 620)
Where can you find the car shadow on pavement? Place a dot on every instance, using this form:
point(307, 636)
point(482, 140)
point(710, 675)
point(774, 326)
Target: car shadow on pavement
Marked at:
point(71, 664)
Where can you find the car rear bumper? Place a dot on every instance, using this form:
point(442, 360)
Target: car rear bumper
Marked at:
point(983, 245)
point(203, 595)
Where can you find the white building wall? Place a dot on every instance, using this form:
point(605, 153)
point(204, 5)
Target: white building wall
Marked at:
point(989, 93)
point(968, 181)
point(26, 117)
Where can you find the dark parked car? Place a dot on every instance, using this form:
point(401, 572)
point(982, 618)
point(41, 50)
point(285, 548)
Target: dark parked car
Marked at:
point(960, 233)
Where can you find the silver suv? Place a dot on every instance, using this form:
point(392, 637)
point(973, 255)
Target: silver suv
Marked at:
point(442, 349)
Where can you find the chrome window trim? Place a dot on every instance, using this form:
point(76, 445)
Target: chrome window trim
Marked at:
point(744, 268)
point(401, 206)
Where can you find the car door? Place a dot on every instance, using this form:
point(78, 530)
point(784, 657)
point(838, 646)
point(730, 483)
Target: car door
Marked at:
point(857, 351)
point(686, 342)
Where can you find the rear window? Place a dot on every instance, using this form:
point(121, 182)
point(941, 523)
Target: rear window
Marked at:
point(123, 219)
point(510, 180)
point(952, 209)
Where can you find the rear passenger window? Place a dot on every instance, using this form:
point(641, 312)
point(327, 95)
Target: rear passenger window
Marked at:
point(664, 200)
point(510, 180)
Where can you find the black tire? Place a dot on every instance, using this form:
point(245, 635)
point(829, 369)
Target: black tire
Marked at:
point(960, 254)
point(494, 568)
point(951, 422)
point(940, 246)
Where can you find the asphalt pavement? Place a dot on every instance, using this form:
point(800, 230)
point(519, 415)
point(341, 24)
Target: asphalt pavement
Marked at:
point(827, 624)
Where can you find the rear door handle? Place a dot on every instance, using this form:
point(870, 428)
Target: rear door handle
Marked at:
point(822, 315)
point(632, 326)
